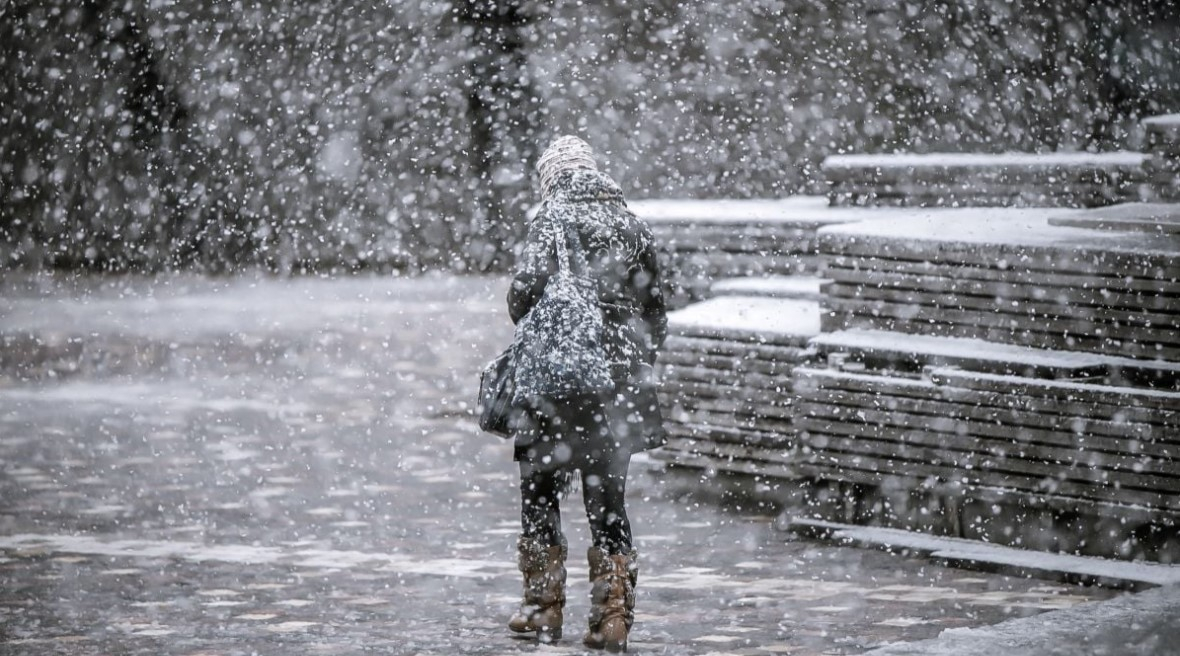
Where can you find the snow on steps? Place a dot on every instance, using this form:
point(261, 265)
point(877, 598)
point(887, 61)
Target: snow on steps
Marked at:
point(884, 349)
point(699, 215)
point(704, 240)
point(973, 554)
point(1017, 375)
point(1007, 276)
point(725, 372)
point(795, 287)
point(733, 363)
point(789, 322)
point(1050, 161)
point(1076, 179)
point(1003, 238)
point(1057, 465)
point(1152, 218)
point(1046, 441)
point(938, 416)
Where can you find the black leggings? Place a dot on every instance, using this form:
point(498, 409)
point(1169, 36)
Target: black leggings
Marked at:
point(604, 486)
point(575, 437)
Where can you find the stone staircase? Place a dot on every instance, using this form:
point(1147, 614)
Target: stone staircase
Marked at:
point(1010, 375)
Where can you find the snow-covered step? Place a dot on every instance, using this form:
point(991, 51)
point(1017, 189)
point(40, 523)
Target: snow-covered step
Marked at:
point(761, 212)
point(725, 375)
point(793, 287)
point(1119, 402)
point(1064, 179)
point(789, 322)
point(900, 163)
point(1152, 218)
point(975, 554)
point(707, 240)
point(880, 349)
point(1099, 461)
point(1007, 275)
point(1006, 239)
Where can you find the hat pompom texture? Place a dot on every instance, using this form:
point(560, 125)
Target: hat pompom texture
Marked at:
point(566, 152)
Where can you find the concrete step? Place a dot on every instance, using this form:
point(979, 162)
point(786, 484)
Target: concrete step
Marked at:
point(794, 287)
point(973, 554)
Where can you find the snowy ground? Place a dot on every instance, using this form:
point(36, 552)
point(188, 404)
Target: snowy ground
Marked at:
point(250, 465)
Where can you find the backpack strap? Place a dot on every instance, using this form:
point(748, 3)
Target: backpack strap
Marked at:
point(563, 257)
point(571, 262)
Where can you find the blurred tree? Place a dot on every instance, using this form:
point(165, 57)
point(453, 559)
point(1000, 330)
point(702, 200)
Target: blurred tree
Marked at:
point(158, 121)
point(85, 98)
point(504, 114)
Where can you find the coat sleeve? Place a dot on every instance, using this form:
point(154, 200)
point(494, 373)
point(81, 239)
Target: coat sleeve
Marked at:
point(655, 311)
point(536, 264)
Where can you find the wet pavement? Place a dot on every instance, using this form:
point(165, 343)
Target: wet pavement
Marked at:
point(260, 466)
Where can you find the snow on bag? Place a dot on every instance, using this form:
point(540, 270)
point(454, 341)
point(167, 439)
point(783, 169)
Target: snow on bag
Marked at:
point(558, 344)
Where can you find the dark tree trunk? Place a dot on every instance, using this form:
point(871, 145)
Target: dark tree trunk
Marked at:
point(158, 120)
point(504, 117)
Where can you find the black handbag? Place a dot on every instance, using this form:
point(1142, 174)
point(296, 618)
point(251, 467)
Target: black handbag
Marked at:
point(496, 389)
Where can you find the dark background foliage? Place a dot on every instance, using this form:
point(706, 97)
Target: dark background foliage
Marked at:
point(295, 135)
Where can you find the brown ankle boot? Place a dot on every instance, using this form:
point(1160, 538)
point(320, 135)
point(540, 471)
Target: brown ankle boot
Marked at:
point(544, 590)
point(612, 597)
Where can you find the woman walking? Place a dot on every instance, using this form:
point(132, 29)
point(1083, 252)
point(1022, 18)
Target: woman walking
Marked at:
point(584, 219)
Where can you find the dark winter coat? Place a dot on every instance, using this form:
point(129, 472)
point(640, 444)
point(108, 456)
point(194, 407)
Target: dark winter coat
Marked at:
point(621, 255)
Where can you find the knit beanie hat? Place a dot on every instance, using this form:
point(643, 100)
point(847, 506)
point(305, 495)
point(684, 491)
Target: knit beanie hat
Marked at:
point(567, 152)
